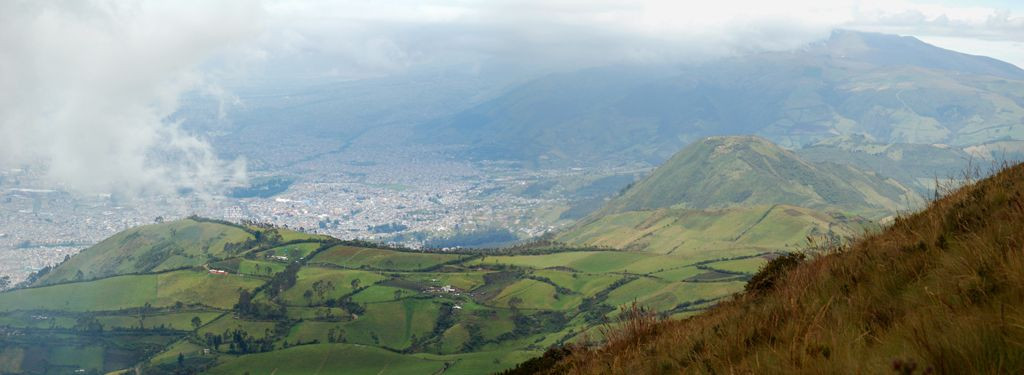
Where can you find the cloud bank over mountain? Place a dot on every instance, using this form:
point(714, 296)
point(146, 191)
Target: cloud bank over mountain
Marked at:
point(353, 39)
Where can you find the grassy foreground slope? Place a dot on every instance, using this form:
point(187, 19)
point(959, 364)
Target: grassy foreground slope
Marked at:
point(938, 291)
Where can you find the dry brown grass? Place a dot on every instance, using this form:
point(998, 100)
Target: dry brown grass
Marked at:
point(939, 291)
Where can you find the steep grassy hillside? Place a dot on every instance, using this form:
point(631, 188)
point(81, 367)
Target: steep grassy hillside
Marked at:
point(940, 291)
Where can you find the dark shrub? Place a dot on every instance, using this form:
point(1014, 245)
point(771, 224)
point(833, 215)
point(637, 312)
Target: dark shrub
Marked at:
point(769, 275)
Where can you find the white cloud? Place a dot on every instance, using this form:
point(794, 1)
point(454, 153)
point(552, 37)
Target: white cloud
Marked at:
point(85, 88)
point(990, 31)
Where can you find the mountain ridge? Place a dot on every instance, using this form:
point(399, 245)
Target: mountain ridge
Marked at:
point(892, 89)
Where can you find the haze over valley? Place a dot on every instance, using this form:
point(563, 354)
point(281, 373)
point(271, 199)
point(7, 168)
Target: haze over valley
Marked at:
point(344, 158)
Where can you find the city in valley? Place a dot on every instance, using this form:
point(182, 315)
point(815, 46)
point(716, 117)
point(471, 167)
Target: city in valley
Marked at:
point(424, 201)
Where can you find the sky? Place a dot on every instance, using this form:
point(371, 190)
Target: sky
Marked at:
point(86, 87)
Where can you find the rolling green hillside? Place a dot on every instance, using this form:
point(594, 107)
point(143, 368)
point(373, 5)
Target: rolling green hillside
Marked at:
point(939, 291)
point(891, 89)
point(280, 301)
point(739, 196)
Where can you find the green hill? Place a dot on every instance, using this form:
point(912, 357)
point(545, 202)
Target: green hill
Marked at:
point(720, 172)
point(940, 291)
point(739, 196)
point(181, 244)
point(152, 248)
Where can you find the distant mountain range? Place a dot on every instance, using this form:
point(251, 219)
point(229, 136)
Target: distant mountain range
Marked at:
point(885, 88)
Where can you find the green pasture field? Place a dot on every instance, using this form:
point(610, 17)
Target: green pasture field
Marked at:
point(661, 295)
point(481, 362)
point(330, 359)
point(746, 265)
point(492, 322)
point(181, 321)
point(358, 257)
point(288, 235)
point(678, 273)
point(38, 320)
point(260, 268)
point(122, 292)
point(458, 280)
point(184, 347)
point(590, 261)
point(341, 279)
point(249, 267)
point(534, 295)
point(228, 322)
point(382, 293)
point(199, 287)
point(293, 251)
point(315, 313)
point(394, 323)
point(308, 331)
point(586, 284)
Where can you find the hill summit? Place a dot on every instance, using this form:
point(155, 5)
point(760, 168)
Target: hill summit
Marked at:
point(719, 172)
